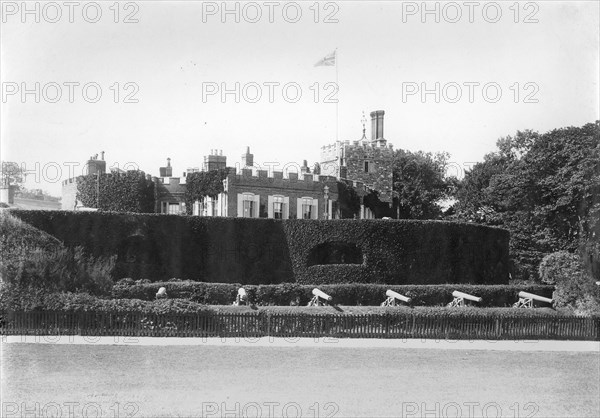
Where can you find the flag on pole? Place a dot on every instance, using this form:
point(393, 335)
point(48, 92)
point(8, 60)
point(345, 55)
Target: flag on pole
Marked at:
point(327, 61)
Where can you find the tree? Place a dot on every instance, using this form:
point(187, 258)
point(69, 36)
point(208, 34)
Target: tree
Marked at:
point(544, 188)
point(12, 174)
point(349, 200)
point(420, 183)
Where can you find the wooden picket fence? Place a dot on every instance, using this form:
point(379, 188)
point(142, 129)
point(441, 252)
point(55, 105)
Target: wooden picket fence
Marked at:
point(260, 324)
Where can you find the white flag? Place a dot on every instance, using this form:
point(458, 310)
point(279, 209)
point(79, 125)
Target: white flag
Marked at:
point(327, 61)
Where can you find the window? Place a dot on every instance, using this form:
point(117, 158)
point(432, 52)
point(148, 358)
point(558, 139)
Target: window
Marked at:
point(173, 209)
point(209, 206)
point(249, 207)
point(307, 208)
point(366, 166)
point(307, 205)
point(278, 207)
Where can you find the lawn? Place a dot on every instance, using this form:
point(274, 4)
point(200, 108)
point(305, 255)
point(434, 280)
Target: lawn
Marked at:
point(314, 381)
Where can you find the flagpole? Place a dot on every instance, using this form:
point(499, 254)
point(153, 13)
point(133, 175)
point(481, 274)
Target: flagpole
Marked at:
point(337, 102)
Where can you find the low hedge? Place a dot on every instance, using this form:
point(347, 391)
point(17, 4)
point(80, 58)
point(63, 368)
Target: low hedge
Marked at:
point(82, 303)
point(33, 299)
point(343, 294)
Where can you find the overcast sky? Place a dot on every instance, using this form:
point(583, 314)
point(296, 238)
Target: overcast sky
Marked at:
point(545, 66)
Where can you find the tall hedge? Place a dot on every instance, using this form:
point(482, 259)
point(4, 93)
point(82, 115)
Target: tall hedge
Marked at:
point(119, 192)
point(266, 251)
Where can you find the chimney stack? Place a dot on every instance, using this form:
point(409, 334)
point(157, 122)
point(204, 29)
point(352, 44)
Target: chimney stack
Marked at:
point(102, 155)
point(377, 125)
point(304, 169)
point(247, 158)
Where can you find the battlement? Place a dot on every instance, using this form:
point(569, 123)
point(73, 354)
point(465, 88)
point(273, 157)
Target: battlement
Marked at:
point(338, 145)
point(248, 174)
point(109, 175)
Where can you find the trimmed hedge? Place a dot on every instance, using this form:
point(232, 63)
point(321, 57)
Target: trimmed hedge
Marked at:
point(268, 251)
point(78, 302)
point(343, 294)
point(32, 300)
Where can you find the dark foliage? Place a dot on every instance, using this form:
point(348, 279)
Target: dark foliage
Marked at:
point(348, 201)
point(119, 192)
point(201, 184)
point(545, 189)
point(267, 251)
point(420, 183)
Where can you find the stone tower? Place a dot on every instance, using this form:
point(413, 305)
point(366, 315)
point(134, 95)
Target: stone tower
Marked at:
point(365, 161)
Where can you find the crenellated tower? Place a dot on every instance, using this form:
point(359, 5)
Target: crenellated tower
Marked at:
point(369, 162)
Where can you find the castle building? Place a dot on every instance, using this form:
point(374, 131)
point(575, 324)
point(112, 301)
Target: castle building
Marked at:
point(254, 194)
point(248, 192)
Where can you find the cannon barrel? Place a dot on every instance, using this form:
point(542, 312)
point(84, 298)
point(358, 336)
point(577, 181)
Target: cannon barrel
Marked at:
point(534, 297)
point(321, 294)
point(390, 293)
point(458, 294)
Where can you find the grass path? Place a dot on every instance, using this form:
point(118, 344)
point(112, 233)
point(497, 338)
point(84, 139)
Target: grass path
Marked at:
point(341, 382)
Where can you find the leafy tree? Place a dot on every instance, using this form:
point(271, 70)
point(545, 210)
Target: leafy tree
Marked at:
point(544, 188)
point(420, 184)
point(12, 174)
point(559, 266)
point(349, 201)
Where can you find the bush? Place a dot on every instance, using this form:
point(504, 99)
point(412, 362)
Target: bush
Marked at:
point(559, 266)
point(61, 269)
point(17, 300)
point(343, 294)
point(33, 259)
point(575, 287)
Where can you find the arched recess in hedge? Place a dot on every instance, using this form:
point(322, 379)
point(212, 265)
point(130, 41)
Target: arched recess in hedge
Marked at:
point(137, 249)
point(335, 252)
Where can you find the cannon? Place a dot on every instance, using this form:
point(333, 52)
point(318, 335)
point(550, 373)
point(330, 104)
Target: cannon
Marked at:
point(392, 297)
point(241, 298)
point(318, 298)
point(459, 299)
point(526, 300)
point(162, 293)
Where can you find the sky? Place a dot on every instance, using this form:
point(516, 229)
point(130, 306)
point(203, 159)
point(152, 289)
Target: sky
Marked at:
point(488, 69)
